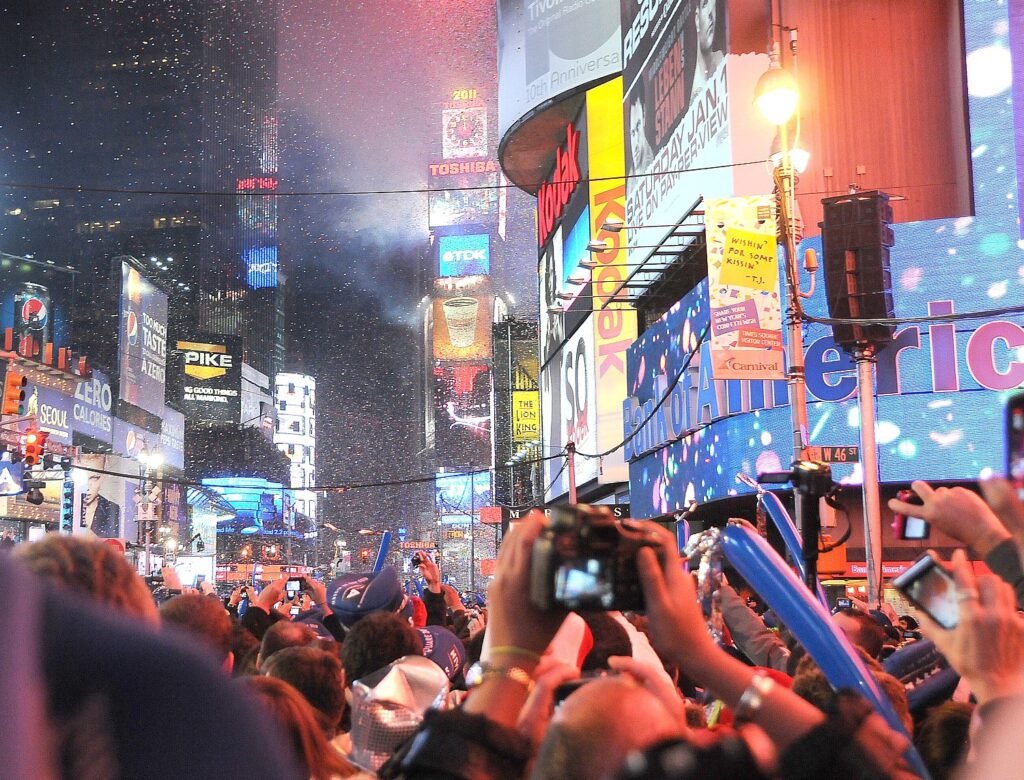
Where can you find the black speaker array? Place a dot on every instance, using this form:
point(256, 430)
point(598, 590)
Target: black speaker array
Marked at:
point(856, 236)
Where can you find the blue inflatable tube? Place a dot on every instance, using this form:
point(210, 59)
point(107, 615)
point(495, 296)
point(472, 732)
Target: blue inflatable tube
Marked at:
point(382, 553)
point(790, 537)
point(809, 621)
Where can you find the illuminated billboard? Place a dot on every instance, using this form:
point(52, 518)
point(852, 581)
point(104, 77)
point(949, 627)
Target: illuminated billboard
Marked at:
point(142, 341)
point(260, 266)
point(940, 386)
point(549, 49)
point(676, 111)
point(462, 494)
point(211, 381)
point(462, 328)
point(261, 506)
point(464, 255)
point(464, 132)
point(465, 199)
point(462, 415)
point(35, 301)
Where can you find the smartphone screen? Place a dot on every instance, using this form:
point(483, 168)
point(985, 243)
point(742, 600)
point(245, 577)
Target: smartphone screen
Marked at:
point(294, 611)
point(1015, 442)
point(292, 588)
point(931, 588)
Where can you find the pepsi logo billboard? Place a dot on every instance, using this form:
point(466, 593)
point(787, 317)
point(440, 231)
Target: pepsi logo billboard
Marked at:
point(142, 352)
point(464, 255)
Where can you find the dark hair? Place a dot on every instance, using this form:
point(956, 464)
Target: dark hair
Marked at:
point(200, 616)
point(316, 674)
point(610, 638)
point(870, 635)
point(92, 568)
point(284, 634)
point(295, 714)
point(911, 622)
point(375, 641)
point(246, 647)
point(942, 737)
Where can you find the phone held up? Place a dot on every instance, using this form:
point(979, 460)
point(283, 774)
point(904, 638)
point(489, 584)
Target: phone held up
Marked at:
point(1015, 442)
point(929, 585)
point(908, 526)
point(293, 586)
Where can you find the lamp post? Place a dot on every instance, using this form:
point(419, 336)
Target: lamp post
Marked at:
point(149, 462)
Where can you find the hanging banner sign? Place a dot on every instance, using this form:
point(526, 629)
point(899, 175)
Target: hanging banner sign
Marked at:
point(743, 282)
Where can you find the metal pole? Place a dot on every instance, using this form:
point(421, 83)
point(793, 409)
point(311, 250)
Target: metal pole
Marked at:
point(570, 453)
point(146, 522)
point(472, 532)
point(869, 464)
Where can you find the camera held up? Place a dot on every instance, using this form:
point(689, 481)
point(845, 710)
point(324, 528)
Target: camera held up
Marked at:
point(586, 559)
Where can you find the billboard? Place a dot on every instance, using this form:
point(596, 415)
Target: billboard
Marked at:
point(211, 387)
point(172, 438)
point(260, 506)
point(464, 255)
point(615, 324)
point(675, 111)
point(552, 326)
point(547, 49)
point(940, 386)
point(463, 199)
point(462, 415)
point(142, 341)
point(101, 496)
point(462, 494)
point(462, 328)
point(525, 415)
point(464, 132)
point(92, 410)
point(35, 301)
point(260, 266)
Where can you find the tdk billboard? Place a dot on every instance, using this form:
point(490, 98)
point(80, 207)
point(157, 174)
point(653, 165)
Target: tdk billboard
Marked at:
point(464, 255)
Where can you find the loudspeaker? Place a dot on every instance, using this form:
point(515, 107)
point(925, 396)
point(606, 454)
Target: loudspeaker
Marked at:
point(856, 237)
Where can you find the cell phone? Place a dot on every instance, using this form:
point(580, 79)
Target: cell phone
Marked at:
point(931, 588)
point(293, 586)
point(294, 611)
point(200, 579)
point(1015, 442)
point(844, 603)
point(908, 526)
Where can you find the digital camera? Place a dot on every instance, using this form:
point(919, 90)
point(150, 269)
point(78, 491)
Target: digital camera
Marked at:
point(417, 559)
point(586, 559)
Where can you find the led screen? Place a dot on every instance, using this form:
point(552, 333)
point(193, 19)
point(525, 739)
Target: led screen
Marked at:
point(462, 415)
point(464, 255)
point(462, 328)
point(260, 505)
point(462, 493)
point(36, 302)
point(939, 386)
point(142, 341)
point(465, 199)
point(260, 267)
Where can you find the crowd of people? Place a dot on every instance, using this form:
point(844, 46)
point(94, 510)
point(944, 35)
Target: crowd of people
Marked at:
point(105, 676)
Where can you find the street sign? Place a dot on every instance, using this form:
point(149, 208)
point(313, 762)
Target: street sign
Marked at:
point(849, 453)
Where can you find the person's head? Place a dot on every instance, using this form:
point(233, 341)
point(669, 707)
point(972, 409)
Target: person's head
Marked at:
point(710, 26)
point(862, 630)
point(281, 635)
point(92, 568)
point(93, 485)
point(600, 724)
point(354, 596)
point(296, 715)
point(205, 618)
point(942, 738)
point(375, 641)
point(909, 623)
point(244, 647)
point(317, 675)
point(637, 136)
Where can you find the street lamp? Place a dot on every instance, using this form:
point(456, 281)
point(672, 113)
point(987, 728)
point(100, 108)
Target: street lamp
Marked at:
point(148, 462)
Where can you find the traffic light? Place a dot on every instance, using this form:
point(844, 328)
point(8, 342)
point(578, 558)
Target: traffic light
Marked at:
point(35, 445)
point(67, 504)
point(14, 392)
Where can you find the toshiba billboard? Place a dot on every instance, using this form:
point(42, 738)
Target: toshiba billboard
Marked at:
point(211, 386)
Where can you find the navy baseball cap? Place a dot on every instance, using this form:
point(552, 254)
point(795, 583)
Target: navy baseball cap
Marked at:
point(354, 596)
point(443, 648)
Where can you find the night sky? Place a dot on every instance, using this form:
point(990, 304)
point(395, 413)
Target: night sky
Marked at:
point(360, 91)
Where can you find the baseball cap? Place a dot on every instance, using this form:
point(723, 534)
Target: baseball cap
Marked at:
point(443, 648)
point(354, 596)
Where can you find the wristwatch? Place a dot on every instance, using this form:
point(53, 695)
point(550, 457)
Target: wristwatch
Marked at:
point(483, 670)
